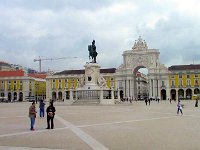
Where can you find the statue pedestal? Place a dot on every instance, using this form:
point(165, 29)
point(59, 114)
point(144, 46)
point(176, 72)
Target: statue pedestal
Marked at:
point(92, 72)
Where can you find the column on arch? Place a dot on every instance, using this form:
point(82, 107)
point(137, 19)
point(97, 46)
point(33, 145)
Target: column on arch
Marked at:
point(132, 86)
point(151, 88)
point(176, 94)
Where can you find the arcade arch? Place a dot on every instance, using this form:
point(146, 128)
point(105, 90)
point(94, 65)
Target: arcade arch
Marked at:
point(180, 93)
point(196, 91)
point(188, 94)
point(173, 94)
point(59, 95)
point(54, 96)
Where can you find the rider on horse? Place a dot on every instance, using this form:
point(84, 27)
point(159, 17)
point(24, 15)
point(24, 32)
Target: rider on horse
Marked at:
point(92, 51)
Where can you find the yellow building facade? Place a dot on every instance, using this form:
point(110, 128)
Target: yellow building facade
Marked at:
point(184, 81)
point(15, 85)
point(60, 84)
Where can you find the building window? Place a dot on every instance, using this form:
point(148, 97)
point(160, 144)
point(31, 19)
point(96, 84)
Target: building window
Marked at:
point(20, 88)
point(59, 86)
point(2, 85)
point(196, 82)
point(53, 80)
point(188, 76)
point(172, 76)
point(188, 82)
point(180, 82)
point(120, 84)
point(163, 83)
point(53, 86)
point(9, 85)
point(180, 76)
point(196, 75)
point(172, 82)
point(15, 87)
point(59, 80)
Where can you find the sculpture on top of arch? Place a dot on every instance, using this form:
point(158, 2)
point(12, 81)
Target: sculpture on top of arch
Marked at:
point(140, 44)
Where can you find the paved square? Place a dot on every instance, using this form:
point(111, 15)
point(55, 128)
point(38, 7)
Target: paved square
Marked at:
point(117, 127)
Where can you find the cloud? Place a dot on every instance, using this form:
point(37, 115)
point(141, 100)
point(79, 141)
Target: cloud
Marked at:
point(62, 28)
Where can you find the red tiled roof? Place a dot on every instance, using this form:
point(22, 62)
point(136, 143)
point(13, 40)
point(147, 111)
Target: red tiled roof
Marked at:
point(15, 73)
point(37, 75)
point(185, 67)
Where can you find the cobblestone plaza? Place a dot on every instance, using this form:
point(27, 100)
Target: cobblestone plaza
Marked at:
point(116, 127)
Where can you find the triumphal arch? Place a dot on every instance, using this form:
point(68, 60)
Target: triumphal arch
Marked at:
point(140, 56)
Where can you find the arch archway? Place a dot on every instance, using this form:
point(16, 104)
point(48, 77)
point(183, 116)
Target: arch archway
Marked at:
point(59, 95)
point(141, 90)
point(188, 94)
point(2, 95)
point(180, 93)
point(67, 94)
point(9, 97)
point(121, 94)
point(163, 94)
point(140, 56)
point(54, 96)
point(20, 96)
point(173, 94)
point(15, 96)
point(196, 91)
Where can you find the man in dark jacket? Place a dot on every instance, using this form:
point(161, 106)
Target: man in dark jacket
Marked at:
point(50, 115)
point(41, 106)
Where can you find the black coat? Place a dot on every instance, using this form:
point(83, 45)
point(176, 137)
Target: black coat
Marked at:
point(51, 109)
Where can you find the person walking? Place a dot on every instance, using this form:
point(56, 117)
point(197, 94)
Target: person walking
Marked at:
point(41, 106)
point(196, 103)
point(146, 101)
point(149, 100)
point(179, 107)
point(32, 115)
point(50, 115)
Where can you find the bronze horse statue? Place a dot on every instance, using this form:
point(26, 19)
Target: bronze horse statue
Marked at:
point(92, 51)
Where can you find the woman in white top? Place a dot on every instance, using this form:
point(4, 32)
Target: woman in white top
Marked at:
point(179, 107)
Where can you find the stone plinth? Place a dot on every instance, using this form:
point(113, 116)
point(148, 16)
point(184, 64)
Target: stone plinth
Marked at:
point(92, 72)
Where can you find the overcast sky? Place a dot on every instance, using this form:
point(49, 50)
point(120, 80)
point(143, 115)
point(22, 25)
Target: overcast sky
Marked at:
point(65, 28)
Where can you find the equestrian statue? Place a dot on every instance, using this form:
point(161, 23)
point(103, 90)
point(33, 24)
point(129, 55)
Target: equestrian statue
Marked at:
point(92, 52)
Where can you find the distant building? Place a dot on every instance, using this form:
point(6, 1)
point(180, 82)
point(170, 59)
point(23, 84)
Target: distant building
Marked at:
point(142, 85)
point(184, 81)
point(16, 85)
point(4, 66)
point(60, 84)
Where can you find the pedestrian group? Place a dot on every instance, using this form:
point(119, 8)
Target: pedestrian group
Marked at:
point(50, 114)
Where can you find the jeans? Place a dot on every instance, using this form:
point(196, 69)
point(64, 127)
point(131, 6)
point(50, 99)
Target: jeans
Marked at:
point(41, 112)
point(32, 122)
point(48, 122)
